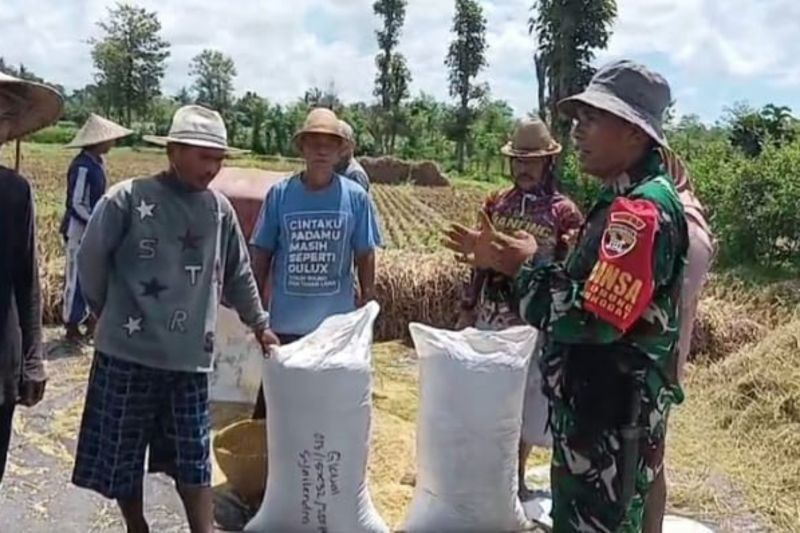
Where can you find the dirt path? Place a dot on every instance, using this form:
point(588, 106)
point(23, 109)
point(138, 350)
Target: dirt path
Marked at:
point(36, 495)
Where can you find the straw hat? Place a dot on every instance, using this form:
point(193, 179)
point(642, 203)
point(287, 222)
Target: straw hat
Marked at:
point(98, 130)
point(195, 125)
point(34, 106)
point(630, 91)
point(323, 121)
point(531, 139)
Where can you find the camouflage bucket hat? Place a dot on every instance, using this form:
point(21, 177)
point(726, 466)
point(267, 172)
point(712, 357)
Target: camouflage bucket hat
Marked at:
point(629, 91)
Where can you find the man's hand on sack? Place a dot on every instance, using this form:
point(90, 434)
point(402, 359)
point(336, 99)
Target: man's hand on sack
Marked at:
point(489, 248)
point(364, 297)
point(267, 339)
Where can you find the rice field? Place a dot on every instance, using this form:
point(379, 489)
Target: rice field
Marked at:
point(411, 218)
point(733, 445)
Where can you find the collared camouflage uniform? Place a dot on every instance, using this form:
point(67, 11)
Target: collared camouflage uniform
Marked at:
point(582, 348)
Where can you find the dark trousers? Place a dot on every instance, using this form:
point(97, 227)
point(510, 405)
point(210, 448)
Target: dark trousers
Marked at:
point(6, 415)
point(260, 410)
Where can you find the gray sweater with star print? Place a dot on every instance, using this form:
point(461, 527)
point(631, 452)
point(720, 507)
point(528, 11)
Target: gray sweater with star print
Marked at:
point(154, 261)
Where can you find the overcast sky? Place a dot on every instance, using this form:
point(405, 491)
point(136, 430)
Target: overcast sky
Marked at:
point(713, 52)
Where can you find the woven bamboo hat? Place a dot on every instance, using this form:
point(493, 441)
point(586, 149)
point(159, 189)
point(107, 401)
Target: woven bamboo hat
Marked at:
point(32, 106)
point(98, 130)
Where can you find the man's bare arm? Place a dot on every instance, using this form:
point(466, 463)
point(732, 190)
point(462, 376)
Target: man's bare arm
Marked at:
point(365, 268)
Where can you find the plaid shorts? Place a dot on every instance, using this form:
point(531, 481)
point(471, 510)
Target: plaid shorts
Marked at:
point(131, 407)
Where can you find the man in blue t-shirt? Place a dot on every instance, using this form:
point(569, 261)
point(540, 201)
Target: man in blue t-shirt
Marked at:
point(313, 228)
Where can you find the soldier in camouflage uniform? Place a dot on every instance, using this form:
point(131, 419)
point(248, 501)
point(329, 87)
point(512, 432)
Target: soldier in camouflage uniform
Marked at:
point(611, 310)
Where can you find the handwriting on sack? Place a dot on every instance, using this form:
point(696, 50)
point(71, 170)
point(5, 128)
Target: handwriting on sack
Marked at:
point(319, 469)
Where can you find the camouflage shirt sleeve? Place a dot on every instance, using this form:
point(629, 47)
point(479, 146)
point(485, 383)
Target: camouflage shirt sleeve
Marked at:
point(635, 260)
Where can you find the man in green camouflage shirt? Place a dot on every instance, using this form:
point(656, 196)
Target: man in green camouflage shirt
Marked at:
point(611, 310)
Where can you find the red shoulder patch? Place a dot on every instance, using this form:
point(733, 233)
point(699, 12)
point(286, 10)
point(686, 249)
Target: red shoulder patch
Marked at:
point(621, 284)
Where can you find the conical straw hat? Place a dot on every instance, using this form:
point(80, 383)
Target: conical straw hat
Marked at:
point(33, 106)
point(98, 130)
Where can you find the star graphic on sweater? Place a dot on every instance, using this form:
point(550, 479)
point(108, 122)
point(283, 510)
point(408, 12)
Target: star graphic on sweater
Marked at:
point(134, 325)
point(145, 210)
point(189, 241)
point(152, 288)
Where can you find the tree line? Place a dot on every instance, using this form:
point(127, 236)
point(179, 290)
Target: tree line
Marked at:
point(130, 56)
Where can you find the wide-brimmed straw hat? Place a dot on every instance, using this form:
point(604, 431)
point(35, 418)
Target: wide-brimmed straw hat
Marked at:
point(531, 139)
point(195, 125)
point(98, 130)
point(629, 91)
point(321, 121)
point(34, 105)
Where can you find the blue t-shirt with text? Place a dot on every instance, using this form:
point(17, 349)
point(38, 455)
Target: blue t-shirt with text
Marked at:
point(313, 237)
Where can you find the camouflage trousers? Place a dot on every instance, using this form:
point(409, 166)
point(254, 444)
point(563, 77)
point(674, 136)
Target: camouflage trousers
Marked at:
point(587, 466)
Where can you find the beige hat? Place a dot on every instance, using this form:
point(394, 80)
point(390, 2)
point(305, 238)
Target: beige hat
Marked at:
point(320, 120)
point(98, 130)
point(531, 139)
point(34, 106)
point(347, 131)
point(195, 125)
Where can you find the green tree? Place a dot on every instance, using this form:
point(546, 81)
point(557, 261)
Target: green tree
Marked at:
point(183, 97)
point(214, 73)
point(752, 130)
point(130, 60)
point(253, 112)
point(465, 59)
point(329, 98)
point(393, 78)
point(278, 131)
point(428, 125)
point(81, 103)
point(568, 32)
point(493, 126)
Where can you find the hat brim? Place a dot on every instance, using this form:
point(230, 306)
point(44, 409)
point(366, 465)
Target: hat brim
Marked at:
point(610, 103)
point(164, 141)
point(317, 131)
point(87, 143)
point(509, 151)
point(41, 107)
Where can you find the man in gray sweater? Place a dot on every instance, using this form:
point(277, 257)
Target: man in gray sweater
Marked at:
point(157, 256)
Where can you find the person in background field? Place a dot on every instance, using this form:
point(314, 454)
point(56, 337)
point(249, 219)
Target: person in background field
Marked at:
point(698, 263)
point(86, 184)
point(24, 108)
point(348, 166)
point(314, 227)
point(534, 205)
point(156, 258)
point(610, 367)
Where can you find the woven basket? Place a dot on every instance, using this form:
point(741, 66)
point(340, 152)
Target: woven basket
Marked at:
point(241, 452)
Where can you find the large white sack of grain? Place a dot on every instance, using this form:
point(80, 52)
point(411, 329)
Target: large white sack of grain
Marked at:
point(238, 360)
point(471, 390)
point(319, 402)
